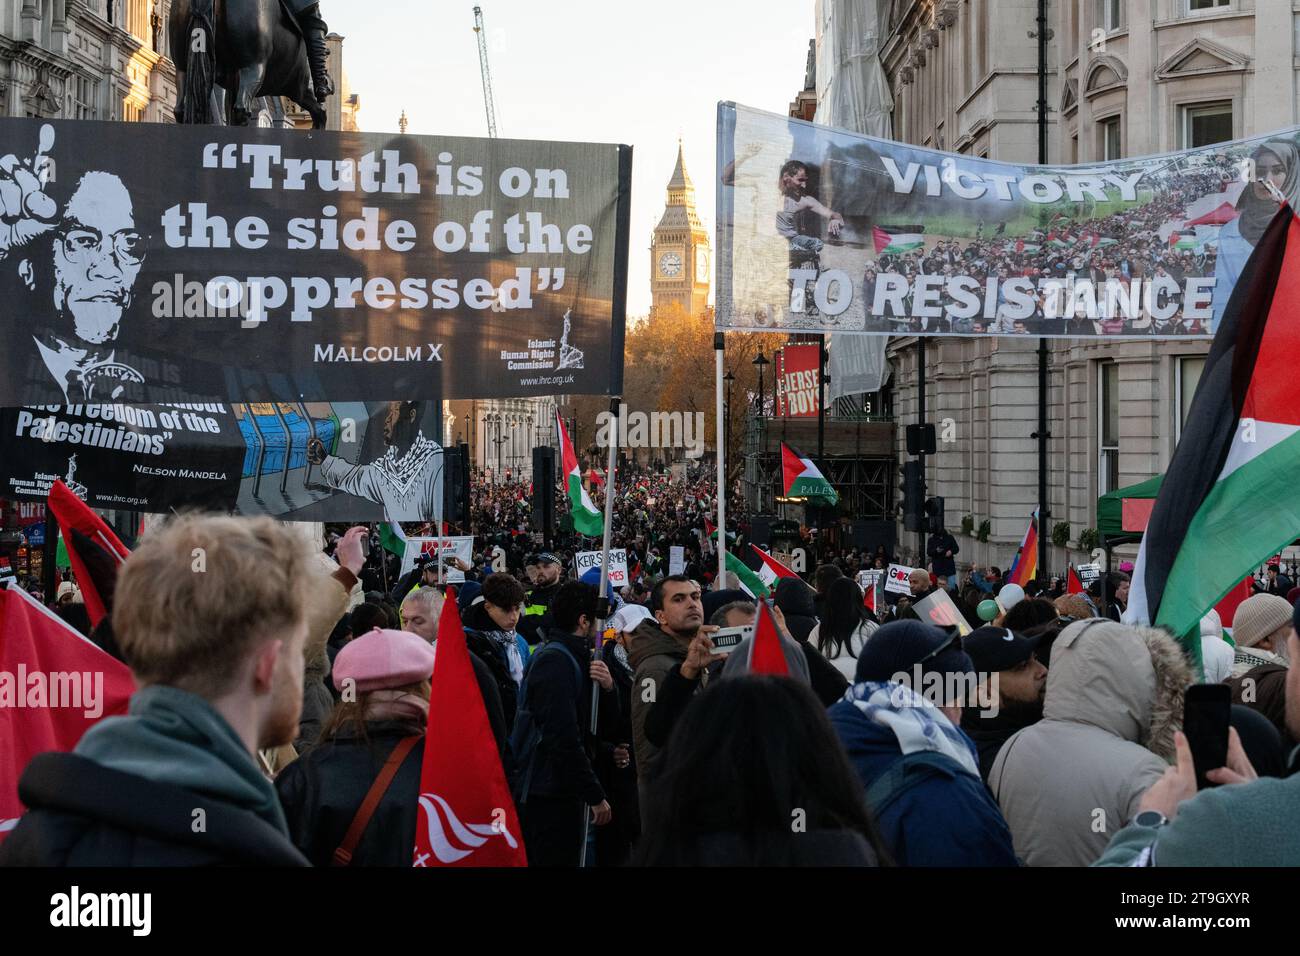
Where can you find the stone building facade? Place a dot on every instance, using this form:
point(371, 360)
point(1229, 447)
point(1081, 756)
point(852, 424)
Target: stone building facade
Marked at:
point(110, 60)
point(86, 59)
point(1125, 78)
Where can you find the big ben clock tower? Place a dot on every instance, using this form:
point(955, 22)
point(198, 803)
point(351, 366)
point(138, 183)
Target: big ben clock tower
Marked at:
point(679, 251)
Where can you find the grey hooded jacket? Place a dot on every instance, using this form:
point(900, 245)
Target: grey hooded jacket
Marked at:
point(1070, 782)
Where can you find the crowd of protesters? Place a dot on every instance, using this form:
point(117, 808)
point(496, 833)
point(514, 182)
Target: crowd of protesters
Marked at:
point(289, 698)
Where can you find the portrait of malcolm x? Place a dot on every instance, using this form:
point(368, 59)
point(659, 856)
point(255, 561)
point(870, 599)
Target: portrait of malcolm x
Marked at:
point(76, 271)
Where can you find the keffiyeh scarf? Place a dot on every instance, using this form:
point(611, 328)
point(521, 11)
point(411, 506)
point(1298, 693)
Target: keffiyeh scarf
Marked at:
point(918, 724)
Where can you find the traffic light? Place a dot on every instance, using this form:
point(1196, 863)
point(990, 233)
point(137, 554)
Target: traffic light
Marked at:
point(913, 496)
point(920, 439)
point(934, 515)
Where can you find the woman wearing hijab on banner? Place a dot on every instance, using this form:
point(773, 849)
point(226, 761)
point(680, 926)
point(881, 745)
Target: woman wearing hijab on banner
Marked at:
point(1274, 174)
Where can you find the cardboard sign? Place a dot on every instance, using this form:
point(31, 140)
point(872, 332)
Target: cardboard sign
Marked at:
point(896, 579)
point(438, 549)
point(677, 559)
point(870, 582)
point(938, 608)
point(1087, 573)
point(585, 560)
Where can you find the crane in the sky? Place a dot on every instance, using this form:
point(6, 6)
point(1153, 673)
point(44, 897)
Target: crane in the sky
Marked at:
point(488, 105)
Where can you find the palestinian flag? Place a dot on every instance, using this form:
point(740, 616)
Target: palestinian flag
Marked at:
point(586, 519)
point(1056, 242)
point(750, 582)
point(1183, 239)
point(1030, 247)
point(1228, 499)
point(392, 539)
point(803, 480)
point(1025, 566)
point(711, 532)
point(771, 570)
point(896, 239)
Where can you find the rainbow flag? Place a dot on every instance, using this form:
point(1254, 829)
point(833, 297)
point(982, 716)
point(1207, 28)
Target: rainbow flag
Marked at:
point(1025, 566)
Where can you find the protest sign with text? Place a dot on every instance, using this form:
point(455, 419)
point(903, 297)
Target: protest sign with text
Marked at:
point(586, 560)
point(155, 263)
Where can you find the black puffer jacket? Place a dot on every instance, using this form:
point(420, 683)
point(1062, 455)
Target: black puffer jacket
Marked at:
point(795, 599)
point(81, 813)
point(321, 791)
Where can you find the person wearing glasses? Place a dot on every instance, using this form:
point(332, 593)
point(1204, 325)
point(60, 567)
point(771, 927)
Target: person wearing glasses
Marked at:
point(86, 257)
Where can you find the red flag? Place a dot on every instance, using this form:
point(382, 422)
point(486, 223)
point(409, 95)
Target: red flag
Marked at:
point(62, 684)
point(767, 656)
point(869, 598)
point(93, 549)
point(1072, 583)
point(1227, 608)
point(466, 816)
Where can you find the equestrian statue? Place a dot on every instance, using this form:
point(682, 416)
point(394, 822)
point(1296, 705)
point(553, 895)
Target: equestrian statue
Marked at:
point(250, 48)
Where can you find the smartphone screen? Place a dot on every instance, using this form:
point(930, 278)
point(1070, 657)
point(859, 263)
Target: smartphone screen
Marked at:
point(1206, 711)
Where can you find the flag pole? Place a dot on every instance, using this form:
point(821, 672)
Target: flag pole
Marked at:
point(603, 603)
point(437, 518)
point(719, 352)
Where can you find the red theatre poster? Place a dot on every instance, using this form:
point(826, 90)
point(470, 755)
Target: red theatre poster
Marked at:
point(797, 381)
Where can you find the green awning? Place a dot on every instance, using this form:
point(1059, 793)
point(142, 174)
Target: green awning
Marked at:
point(1110, 508)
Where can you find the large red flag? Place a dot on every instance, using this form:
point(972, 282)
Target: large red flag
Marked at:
point(466, 815)
point(767, 657)
point(93, 548)
point(54, 684)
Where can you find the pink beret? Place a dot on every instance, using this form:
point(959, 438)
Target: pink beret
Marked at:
point(384, 659)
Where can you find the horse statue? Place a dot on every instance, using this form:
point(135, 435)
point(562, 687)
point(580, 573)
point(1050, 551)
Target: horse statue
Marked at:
point(251, 48)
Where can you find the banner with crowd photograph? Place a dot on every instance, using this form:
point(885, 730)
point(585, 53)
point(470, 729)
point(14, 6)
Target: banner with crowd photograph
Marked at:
point(821, 229)
point(153, 263)
point(301, 461)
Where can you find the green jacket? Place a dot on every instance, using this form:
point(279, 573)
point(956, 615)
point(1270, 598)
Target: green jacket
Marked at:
point(1243, 824)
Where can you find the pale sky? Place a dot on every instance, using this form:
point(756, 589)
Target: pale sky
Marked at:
point(577, 70)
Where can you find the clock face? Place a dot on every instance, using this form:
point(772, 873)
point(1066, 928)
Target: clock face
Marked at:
point(670, 264)
point(701, 265)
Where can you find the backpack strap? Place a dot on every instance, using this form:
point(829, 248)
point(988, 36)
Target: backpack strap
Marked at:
point(343, 852)
point(903, 775)
point(577, 668)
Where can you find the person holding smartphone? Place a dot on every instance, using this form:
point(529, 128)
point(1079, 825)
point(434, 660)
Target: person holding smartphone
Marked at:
point(1243, 820)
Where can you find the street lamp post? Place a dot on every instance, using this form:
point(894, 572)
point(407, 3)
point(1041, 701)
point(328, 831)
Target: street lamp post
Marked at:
point(761, 362)
point(725, 431)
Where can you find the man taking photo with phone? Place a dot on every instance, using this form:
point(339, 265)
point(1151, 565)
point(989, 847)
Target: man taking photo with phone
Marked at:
point(671, 655)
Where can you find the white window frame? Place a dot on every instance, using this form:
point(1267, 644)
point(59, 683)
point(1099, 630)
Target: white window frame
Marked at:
point(1187, 111)
point(1179, 362)
point(1218, 7)
point(1106, 453)
point(1105, 124)
point(1112, 15)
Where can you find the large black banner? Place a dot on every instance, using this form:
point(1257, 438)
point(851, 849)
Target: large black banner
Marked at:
point(164, 264)
point(304, 461)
